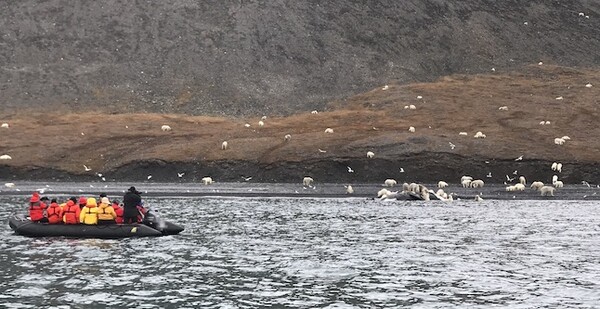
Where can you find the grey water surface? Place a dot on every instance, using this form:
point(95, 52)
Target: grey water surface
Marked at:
point(319, 253)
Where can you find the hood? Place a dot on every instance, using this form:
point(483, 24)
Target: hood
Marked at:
point(91, 202)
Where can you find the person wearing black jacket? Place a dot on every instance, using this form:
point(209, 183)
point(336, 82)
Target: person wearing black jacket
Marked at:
point(131, 200)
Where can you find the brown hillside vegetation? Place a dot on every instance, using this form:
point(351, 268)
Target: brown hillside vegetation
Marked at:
point(374, 121)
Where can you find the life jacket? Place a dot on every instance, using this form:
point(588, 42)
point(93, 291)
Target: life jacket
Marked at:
point(119, 212)
point(54, 213)
point(36, 211)
point(71, 213)
point(89, 213)
point(106, 212)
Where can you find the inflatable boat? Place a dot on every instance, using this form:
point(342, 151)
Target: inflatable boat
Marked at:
point(151, 227)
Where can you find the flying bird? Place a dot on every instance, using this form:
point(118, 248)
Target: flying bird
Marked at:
point(350, 170)
point(519, 158)
point(451, 145)
point(180, 175)
point(515, 172)
point(585, 183)
point(510, 179)
point(87, 169)
point(489, 175)
point(322, 151)
point(401, 170)
point(149, 176)
point(248, 178)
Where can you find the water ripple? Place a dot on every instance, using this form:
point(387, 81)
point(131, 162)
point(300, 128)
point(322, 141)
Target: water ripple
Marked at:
point(340, 253)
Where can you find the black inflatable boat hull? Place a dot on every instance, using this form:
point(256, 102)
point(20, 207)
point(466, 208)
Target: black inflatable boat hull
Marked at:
point(23, 226)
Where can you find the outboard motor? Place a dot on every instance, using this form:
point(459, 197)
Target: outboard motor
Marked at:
point(153, 221)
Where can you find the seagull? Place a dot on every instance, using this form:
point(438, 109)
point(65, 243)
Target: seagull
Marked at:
point(180, 175)
point(322, 151)
point(248, 178)
point(99, 175)
point(350, 170)
point(87, 169)
point(585, 183)
point(489, 175)
point(451, 145)
point(374, 128)
point(91, 186)
point(103, 178)
point(515, 172)
point(401, 170)
point(126, 127)
point(41, 191)
point(519, 158)
point(510, 179)
point(82, 133)
point(149, 176)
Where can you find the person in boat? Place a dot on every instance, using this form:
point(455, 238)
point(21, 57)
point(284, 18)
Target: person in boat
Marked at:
point(89, 213)
point(72, 198)
point(131, 200)
point(54, 212)
point(141, 212)
point(44, 200)
point(71, 212)
point(106, 213)
point(36, 209)
point(82, 202)
point(118, 210)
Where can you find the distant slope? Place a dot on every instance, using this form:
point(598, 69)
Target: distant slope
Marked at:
point(131, 146)
point(254, 57)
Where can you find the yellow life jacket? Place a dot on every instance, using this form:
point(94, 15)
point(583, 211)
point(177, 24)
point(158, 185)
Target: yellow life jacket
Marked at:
point(89, 215)
point(106, 212)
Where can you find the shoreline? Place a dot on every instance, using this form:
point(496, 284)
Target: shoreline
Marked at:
point(268, 190)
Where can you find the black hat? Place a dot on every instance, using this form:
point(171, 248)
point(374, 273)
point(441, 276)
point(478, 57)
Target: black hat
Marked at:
point(53, 200)
point(102, 195)
point(74, 199)
point(133, 190)
point(45, 198)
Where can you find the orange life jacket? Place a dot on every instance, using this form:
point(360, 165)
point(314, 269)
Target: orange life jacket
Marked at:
point(71, 213)
point(36, 211)
point(54, 213)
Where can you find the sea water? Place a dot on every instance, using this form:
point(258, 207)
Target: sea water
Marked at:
point(318, 253)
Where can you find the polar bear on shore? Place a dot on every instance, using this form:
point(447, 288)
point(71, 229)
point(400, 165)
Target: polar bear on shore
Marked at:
point(547, 191)
point(390, 182)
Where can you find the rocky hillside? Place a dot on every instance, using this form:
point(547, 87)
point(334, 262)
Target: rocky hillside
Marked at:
point(506, 107)
point(272, 57)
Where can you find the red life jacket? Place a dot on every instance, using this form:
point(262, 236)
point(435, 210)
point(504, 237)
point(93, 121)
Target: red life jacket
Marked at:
point(54, 214)
point(36, 211)
point(119, 211)
point(71, 213)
